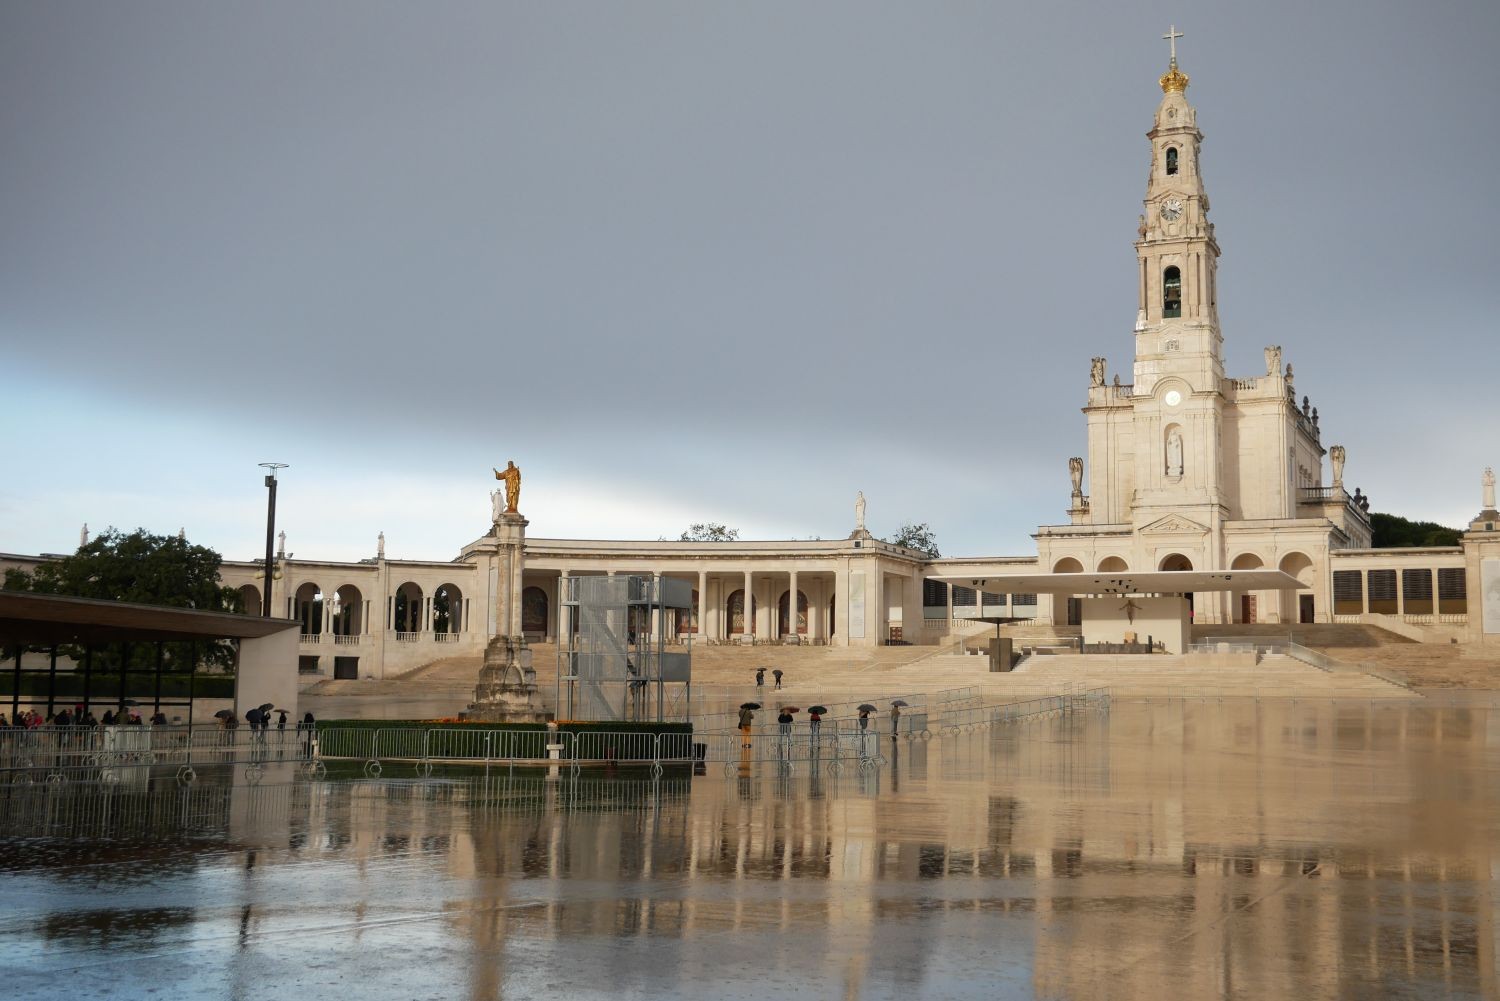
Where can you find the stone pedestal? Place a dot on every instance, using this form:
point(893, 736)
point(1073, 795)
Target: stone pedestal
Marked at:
point(507, 692)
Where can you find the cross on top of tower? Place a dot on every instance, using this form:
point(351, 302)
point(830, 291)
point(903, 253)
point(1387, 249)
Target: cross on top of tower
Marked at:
point(1171, 36)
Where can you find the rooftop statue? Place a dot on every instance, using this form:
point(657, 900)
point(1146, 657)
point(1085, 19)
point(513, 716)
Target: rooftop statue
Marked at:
point(511, 477)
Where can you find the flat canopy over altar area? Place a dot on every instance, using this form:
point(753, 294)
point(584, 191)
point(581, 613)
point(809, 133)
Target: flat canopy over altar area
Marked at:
point(1147, 582)
point(1156, 609)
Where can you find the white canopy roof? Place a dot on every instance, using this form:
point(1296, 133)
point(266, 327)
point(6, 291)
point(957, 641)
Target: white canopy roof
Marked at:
point(1149, 582)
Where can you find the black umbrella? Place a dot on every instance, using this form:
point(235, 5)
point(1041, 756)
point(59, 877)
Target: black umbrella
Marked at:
point(900, 702)
point(790, 709)
point(749, 705)
point(865, 707)
point(820, 710)
point(223, 714)
point(266, 706)
point(130, 702)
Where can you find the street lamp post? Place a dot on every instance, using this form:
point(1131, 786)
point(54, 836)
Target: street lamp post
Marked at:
point(265, 601)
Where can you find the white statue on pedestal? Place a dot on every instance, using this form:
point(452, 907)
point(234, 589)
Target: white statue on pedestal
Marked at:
point(281, 543)
point(1174, 453)
point(83, 535)
point(497, 504)
point(380, 546)
point(1489, 488)
point(1336, 460)
point(859, 512)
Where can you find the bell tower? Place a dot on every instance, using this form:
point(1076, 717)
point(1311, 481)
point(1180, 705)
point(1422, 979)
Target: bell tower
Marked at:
point(1177, 321)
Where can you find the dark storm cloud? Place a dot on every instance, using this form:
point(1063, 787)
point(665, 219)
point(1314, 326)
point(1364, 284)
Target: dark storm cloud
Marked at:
point(755, 257)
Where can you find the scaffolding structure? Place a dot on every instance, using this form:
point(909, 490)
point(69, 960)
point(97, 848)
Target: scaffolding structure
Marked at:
point(613, 661)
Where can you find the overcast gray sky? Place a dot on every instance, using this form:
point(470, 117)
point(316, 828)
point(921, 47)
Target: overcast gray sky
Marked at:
point(686, 261)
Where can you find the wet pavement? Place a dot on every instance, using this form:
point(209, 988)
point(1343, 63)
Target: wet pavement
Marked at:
point(1171, 849)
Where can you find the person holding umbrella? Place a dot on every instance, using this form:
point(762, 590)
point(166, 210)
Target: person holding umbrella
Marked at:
point(896, 718)
point(815, 720)
point(785, 721)
point(747, 720)
point(760, 679)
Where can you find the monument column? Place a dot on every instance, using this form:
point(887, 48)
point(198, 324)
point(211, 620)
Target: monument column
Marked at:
point(507, 683)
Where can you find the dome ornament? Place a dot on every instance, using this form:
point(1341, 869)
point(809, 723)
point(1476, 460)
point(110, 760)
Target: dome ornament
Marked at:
point(1174, 81)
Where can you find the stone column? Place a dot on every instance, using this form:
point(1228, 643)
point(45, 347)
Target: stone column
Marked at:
point(749, 634)
point(1364, 587)
point(564, 618)
point(507, 648)
point(702, 605)
point(791, 608)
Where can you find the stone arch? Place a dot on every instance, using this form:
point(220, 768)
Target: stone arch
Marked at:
point(250, 599)
point(1171, 160)
point(1299, 606)
point(1113, 564)
point(349, 613)
point(307, 605)
point(1247, 606)
point(536, 610)
point(736, 622)
point(406, 608)
point(1067, 564)
point(782, 610)
point(1177, 561)
point(448, 609)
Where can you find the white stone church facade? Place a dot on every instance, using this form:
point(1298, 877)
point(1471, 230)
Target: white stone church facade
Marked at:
point(1185, 468)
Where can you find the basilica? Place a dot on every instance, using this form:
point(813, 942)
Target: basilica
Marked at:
point(1185, 467)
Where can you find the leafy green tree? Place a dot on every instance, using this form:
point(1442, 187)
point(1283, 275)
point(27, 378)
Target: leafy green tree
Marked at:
point(709, 531)
point(1389, 531)
point(143, 568)
point(918, 537)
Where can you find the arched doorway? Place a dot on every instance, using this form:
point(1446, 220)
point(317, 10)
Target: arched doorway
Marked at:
point(308, 605)
point(1249, 606)
point(536, 611)
point(781, 613)
point(406, 611)
point(734, 613)
point(1298, 606)
point(1179, 562)
point(448, 610)
point(1073, 608)
point(250, 600)
point(347, 611)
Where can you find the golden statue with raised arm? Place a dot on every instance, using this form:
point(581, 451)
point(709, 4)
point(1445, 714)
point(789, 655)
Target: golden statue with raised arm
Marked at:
point(511, 476)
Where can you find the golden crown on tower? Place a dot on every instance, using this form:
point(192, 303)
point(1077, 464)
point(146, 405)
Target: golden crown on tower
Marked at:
point(1173, 81)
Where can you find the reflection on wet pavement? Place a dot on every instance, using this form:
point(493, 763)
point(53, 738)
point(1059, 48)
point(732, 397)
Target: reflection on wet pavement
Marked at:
point(1198, 850)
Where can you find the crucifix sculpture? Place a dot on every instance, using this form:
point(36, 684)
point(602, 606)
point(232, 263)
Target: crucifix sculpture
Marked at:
point(1130, 608)
point(1171, 36)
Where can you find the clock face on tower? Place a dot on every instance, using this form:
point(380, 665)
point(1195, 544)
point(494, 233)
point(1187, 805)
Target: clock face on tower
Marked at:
point(1172, 398)
point(1171, 209)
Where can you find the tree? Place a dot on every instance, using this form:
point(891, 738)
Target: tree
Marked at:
point(918, 537)
point(142, 568)
point(708, 531)
point(1389, 531)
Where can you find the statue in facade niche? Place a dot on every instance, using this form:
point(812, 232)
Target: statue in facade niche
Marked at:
point(859, 511)
point(1273, 359)
point(1336, 460)
point(1096, 372)
point(1174, 453)
point(1075, 471)
point(511, 477)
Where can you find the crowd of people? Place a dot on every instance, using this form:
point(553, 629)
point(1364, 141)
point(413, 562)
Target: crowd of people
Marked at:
point(80, 716)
